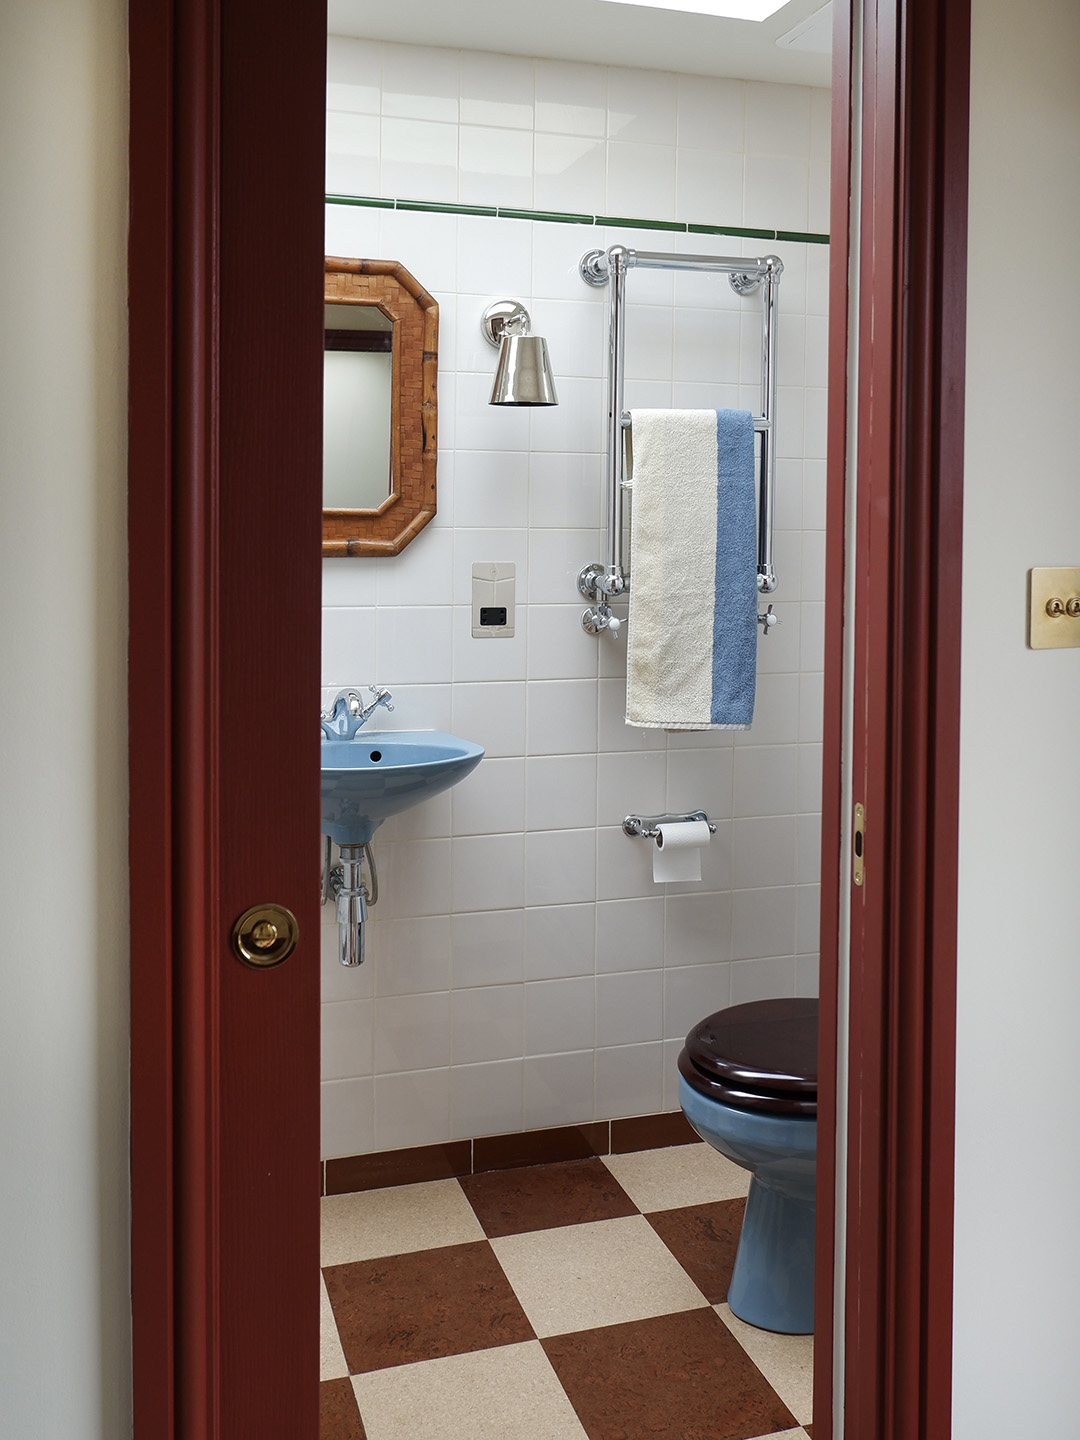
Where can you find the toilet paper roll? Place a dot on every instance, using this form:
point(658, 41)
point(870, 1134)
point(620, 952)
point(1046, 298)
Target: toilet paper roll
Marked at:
point(677, 855)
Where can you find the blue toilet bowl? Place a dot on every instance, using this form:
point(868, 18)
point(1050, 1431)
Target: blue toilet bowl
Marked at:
point(748, 1086)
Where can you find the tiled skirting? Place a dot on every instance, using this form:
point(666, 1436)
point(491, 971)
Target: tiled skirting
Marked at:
point(352, 1173)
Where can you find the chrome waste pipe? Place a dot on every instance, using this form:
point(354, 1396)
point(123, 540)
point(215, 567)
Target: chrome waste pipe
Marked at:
point(353, 894)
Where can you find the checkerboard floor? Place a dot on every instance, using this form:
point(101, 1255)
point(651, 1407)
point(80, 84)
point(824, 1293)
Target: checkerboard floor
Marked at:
point(574, 1301)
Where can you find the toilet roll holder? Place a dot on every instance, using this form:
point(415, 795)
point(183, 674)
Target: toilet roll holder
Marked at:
point(647, 827)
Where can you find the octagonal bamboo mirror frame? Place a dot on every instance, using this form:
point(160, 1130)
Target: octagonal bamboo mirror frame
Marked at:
point(414, 316)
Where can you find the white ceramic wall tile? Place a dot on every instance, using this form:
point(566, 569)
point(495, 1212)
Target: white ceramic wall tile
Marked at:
point(766, 780)
point(558, 648)
point(414, 878)
point(353, 75)
point(778, 119)
point(348, 646)
point(559, 941)
point(559, 1015)
point(808, 919)
point(700, 780)
point(490, 801)
point(630, 784)
point(569, 172)
point(559, 1089)
point(629, 935)
point(711, 112)
point(690, 993)
point(610, 959)
point(560, 717)
point(352, 154)
point(411, 1032)
point(348, 1119)
point(487, 948)
point(709, 187)
point(491, 715)
point(762, 979)
point(560, 866)
point(806, 975)
point(412, 1109)
point(560, 792)
point(565, 490)
point(486, 1024)
point(641, 180)
point(764, 852)
point(421, 82)
point(347, 1039)
point(808, 839)
point(496, 166)
point(697, 930)
point(496, 90)
point(419, 160)
point(412, 645)
point(488, 872)
point(809, 779)
point(412, 957)
point(629, 1007)
point(485, 1099)
point(571, 99)
point(629, 1080)
point(763, 922)
point(491, 489)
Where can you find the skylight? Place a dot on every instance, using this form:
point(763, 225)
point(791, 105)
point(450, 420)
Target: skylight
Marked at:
point(728, 9)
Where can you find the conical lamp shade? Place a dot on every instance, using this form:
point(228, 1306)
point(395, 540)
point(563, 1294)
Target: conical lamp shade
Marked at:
point(523, 375)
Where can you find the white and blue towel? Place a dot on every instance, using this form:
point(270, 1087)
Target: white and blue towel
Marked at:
point(692, 631)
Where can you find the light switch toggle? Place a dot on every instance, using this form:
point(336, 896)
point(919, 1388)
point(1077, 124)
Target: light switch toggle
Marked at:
point(1054, 607)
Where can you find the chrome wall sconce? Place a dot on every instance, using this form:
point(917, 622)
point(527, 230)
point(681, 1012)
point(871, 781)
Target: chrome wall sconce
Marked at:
point(523, 374)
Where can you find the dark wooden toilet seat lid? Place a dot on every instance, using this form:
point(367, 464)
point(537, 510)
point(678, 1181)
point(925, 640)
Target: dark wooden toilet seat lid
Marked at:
point(768, 1045)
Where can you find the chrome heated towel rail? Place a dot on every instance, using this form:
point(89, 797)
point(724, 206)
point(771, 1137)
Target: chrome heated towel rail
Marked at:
point(602, 581)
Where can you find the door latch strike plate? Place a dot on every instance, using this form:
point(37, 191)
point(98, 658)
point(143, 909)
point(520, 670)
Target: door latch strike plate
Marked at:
point(857, 845)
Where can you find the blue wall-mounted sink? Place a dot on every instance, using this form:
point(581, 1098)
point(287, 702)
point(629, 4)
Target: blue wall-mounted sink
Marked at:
point(381, 772)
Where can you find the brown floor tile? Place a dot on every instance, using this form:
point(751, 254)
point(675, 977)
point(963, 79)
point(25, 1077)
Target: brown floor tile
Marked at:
point(420, 1306)
point(809, 1431)
point(339, 1419)
point(541, 1197)
point(651, 1132)
point(677, 1377)
point(703, 1238)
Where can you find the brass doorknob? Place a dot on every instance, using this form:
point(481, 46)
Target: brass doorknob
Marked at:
point(265, 935)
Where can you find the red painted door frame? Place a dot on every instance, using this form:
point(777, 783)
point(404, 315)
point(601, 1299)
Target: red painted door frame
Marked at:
point(226, 283)
point(898, 288)
point(225, 272)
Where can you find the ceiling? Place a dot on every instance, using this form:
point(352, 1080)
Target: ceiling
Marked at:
point(604, 33)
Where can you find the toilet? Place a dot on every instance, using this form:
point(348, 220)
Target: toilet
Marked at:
point(748, 1086)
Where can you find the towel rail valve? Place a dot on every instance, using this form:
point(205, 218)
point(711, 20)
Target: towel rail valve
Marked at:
point(600, 619)
point(768, 620)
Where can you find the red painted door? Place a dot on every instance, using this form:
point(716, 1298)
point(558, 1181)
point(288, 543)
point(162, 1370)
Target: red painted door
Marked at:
point(226, 247)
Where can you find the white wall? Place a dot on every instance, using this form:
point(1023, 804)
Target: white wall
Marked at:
point(64, 1323)
point(525, 969)
point(1018, 1135)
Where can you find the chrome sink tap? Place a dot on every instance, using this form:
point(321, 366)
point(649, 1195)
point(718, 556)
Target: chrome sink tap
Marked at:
point(348, 713)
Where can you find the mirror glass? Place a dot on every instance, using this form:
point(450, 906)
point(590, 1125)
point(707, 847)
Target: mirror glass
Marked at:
point(357, 393)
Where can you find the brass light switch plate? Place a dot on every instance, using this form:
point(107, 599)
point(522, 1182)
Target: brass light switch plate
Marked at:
point(1054, 607)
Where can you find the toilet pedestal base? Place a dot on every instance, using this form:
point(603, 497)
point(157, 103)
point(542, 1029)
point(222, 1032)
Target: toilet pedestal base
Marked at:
point(772, 1284)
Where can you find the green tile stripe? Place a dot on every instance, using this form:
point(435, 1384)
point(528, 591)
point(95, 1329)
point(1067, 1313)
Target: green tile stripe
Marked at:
point(563, 217)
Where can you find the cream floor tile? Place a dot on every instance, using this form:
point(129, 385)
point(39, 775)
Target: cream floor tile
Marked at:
point(395, 1221)
point(602, 1273)
point(786, 1361)
point(799, 1434)
point(331, 1356)
point(677, 1175)
point(509, 1393)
